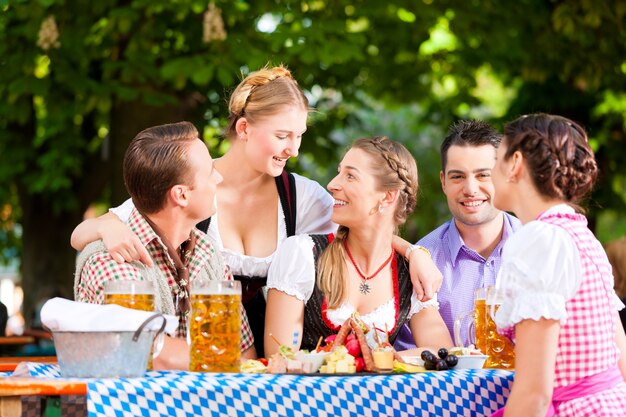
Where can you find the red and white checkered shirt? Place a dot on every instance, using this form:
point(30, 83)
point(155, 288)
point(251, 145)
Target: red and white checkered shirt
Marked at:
point(100, 268)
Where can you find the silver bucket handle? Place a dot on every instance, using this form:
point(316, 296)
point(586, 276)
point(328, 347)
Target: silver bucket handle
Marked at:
point(145, 323)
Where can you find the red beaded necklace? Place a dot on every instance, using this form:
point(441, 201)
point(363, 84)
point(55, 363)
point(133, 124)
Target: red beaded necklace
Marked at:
point(364, 288)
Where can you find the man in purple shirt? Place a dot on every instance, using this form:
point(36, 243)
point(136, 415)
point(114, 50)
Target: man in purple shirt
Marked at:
point(468, 248)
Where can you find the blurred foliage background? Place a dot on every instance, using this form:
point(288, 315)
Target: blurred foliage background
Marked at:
point(79, 79)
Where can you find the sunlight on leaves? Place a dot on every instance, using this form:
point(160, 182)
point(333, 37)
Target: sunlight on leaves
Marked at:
point(491, 91)
point(267, 23)
point(406, 15)
point(359, 25)
point(441, 39)
point(42, 66)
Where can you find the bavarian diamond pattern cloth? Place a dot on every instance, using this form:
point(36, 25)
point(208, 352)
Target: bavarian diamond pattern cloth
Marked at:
point(448, 393)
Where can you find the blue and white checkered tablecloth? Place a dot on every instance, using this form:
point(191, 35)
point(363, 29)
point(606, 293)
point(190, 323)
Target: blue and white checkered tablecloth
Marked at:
point(448, 393)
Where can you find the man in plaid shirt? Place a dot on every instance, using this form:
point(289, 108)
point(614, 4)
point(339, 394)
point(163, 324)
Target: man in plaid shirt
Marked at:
point(170, 176)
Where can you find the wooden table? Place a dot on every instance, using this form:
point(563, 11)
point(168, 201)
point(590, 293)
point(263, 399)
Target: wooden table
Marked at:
point(12, 388)
point(14, 391)
point(9, 363)
point(16, 340)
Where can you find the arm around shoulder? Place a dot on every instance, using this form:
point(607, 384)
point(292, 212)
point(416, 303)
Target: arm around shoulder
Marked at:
point(118, 238)
point(89, 230)
point(425, 275)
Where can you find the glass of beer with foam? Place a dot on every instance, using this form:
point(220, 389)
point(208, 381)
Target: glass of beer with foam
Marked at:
point(130, 293)
point(215, 325)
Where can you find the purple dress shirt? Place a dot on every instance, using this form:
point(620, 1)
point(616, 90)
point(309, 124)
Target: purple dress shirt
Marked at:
point(463, 270)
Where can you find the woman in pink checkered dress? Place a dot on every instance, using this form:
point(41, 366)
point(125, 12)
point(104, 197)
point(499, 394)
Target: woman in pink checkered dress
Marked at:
point(558, 302)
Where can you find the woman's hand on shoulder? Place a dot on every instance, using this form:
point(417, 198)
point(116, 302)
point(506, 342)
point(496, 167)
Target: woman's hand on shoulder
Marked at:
point(122, 243)
point(425, 275)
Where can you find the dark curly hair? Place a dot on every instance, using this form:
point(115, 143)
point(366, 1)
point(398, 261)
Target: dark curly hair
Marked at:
point(559, 158)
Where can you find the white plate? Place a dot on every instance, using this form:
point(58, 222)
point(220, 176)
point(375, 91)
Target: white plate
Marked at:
point(413, 360)
point(471, 361)
point(465, 361)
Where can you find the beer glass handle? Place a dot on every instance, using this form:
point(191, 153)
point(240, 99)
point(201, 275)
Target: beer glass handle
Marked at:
point(458, 324)
point(457, 333)
point(492, 312)
point(157, 345)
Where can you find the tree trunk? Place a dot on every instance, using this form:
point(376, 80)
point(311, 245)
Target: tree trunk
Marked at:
point(47, 257)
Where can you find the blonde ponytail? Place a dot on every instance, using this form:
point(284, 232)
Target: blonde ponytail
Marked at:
point(331, 270)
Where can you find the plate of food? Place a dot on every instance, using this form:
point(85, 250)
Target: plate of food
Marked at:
point(469, 357)
point(445, 359)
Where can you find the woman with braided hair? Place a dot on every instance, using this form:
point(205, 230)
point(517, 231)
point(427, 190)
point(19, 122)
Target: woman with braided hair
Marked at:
point(322, 280)
point(555, 283)
point(267, 118)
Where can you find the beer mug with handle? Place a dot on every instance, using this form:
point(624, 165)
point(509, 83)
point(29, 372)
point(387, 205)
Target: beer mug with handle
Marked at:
point(215, 325)
point(473, 323)
point(500, 350)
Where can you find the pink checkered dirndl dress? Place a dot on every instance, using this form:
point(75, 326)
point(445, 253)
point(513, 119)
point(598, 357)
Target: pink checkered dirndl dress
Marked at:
point(587, 340)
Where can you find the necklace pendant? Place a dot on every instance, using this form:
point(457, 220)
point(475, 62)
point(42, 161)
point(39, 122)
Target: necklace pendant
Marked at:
point(364, 288)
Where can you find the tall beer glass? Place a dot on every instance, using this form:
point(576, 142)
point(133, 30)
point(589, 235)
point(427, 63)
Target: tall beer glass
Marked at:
point(215, 326)
point(473, 323)
point(480, 318)
point(500, 350)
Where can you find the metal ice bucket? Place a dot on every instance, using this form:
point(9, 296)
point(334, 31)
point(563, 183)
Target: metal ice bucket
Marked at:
point(105, 354)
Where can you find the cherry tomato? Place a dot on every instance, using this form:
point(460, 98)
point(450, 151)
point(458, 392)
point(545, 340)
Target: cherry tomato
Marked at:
point(359, 364)
point(263, 361)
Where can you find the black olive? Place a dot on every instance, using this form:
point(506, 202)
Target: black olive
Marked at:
point(452, 360)
point(441, 365)
point(429, 366)
point(427, 355)
point(443, 352)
